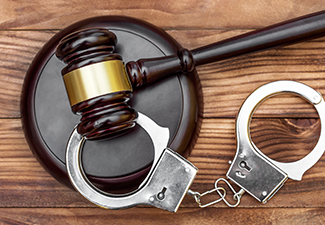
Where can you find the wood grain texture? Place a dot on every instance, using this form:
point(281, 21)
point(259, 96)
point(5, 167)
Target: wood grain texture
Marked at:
point(167, 14)
point(285, 128)
point(17, 52)
point(24, 183)
point(227, 83)
point(155, 216)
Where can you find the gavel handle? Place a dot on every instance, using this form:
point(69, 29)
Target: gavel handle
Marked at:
point(296, 30)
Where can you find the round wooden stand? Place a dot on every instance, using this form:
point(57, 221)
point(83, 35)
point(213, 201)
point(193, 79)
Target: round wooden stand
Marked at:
point(120, 163)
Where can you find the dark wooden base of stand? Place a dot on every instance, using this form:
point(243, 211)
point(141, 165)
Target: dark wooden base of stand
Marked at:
point(120, 163)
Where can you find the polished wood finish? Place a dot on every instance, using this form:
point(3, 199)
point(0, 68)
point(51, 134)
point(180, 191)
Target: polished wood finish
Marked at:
point(288, 32)
point(103, 116)
point(28, 194)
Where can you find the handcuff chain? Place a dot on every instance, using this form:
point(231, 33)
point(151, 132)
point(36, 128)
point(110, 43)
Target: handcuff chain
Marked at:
point(197, 196)
point(237, 195)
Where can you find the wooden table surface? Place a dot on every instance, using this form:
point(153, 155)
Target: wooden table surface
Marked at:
point(285, 128)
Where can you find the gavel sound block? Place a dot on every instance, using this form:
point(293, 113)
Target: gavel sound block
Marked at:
point(119, 163)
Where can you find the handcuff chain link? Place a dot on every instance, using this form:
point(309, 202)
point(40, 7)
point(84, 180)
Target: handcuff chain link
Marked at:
point(237, 195)
point(197, 196)
point(222, 193)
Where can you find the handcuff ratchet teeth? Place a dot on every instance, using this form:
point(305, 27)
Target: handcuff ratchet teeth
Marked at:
point(252, 170)
point(165, 186)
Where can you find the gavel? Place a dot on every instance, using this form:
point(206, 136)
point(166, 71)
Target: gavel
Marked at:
point(99, 85)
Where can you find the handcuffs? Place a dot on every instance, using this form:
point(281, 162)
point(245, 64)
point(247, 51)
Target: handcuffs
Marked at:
point(171, 175)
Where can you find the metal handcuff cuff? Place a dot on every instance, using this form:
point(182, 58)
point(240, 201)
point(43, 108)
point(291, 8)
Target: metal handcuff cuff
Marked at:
point(171, 175)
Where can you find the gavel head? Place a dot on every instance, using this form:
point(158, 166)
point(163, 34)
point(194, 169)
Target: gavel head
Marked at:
point(97, 84)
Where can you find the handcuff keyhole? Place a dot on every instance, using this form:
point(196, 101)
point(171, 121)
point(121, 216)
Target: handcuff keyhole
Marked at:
point(161, 195)
point(244, 165)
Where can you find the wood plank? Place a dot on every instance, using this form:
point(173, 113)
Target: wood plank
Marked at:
point(156, 216)
point(225, 84)
point(17, 52)
point(24, 183)
point(167, 14)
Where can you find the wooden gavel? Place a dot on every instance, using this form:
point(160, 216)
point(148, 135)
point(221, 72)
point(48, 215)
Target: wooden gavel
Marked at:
point(99, 85)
